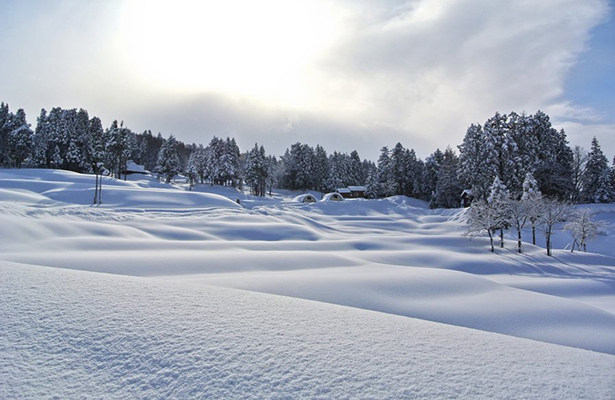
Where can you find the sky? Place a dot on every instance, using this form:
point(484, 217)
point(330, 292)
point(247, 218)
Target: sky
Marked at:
point(346, 74)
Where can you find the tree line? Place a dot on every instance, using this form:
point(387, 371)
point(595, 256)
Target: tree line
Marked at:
point(505, 146)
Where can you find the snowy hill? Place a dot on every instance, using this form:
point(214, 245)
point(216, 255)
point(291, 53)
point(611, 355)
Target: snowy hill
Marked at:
point(394, 256)
point(74, 334)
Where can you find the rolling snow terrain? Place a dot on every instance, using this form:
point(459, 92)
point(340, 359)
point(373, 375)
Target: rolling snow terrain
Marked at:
point(396, 286)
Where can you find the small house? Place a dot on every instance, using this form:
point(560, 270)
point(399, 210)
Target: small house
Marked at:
point(134, 168)
point(357, 192)
point(332, 197)
point(466, 198)
point(344, 192)
point(305, 198)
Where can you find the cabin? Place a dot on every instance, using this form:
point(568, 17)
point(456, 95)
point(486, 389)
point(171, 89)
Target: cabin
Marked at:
point(466, 198)
point(332, 197)
point(305, 198)
point(357, 192)
point(352, 192)
point(344, 192)
point(134, 168)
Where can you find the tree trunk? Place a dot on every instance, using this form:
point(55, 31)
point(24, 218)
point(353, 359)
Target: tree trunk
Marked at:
point(96, 188)
point(502, 237)
point(519, 240)
point(548, 237)
point(533, 234)
point(491, 240)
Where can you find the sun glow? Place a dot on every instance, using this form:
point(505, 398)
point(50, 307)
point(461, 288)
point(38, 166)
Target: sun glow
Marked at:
point(267, 50)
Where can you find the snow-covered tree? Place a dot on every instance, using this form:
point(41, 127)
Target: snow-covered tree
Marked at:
point(448, 188)
point(596, 164)
point(579, 159)
point(583, 228)
point(518, 218)
point(532, 199)
point(499, 201)
point(20, 139)
point(481, 219)
point(553, 212)
point(168, 160)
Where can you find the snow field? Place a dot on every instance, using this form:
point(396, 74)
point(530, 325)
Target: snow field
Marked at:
point(77, 334)
point(166, 319)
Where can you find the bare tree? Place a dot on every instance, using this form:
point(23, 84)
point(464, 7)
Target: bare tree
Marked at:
point(583, 228)
point(579, 159)
point(518, 213)
point(481, 219)
point(553, 212)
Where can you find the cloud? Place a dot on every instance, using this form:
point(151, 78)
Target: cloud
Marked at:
point(417, 71)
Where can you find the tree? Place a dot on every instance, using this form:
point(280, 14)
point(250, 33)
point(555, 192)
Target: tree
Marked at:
point(499, 202)
point(168, 160)
point(481, 219)
point(583, 228)
point(518, 217)
point(579, 159)
point(448, 188)
point(20, 139)
point(532, 199)
point(595, 167)
point(553, 211)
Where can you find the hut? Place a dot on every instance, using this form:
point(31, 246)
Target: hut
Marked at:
point(466, 198)
point(305, 198)
point(357, 192)
point(134, 168)
point(345, 192)
point(332, 197)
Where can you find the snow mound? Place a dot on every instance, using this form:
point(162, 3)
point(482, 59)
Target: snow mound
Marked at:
point(75, 334)
point(57, 187)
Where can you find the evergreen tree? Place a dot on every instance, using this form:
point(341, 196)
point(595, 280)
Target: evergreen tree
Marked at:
point(593, 176)
point(448, 188)
point(20, 139)
point(168, 160)
point(471, 173)
point(321, 169)
point(386, 180)
point(356, 176)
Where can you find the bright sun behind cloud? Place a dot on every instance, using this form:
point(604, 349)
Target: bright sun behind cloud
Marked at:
point(263, 50)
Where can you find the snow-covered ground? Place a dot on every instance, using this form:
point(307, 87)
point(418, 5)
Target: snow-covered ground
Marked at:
point(394, 256)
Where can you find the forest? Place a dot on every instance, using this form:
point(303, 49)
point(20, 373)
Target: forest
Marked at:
point(506, 146)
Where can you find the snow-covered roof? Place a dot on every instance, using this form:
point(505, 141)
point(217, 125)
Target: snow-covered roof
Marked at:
point(467, 191)
point(332, 197)
point(357, 188)
point(343, 190)
point(305, 198)
point(135, 168)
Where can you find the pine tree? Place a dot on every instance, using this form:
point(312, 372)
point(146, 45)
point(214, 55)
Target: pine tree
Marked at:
point(448, 188)
point(595, 168)
point(605, 192)
point(321, 169)
point(20, 139)
point(168, 160)
point(386, 179)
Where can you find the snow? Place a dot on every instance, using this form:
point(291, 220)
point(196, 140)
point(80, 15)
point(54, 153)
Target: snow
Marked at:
point(133, 167)
point(76, 334)
point(332, 197)
point(386, 280)
point(305, 198)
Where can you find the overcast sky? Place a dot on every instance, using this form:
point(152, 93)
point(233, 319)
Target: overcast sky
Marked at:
point(347, 74)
